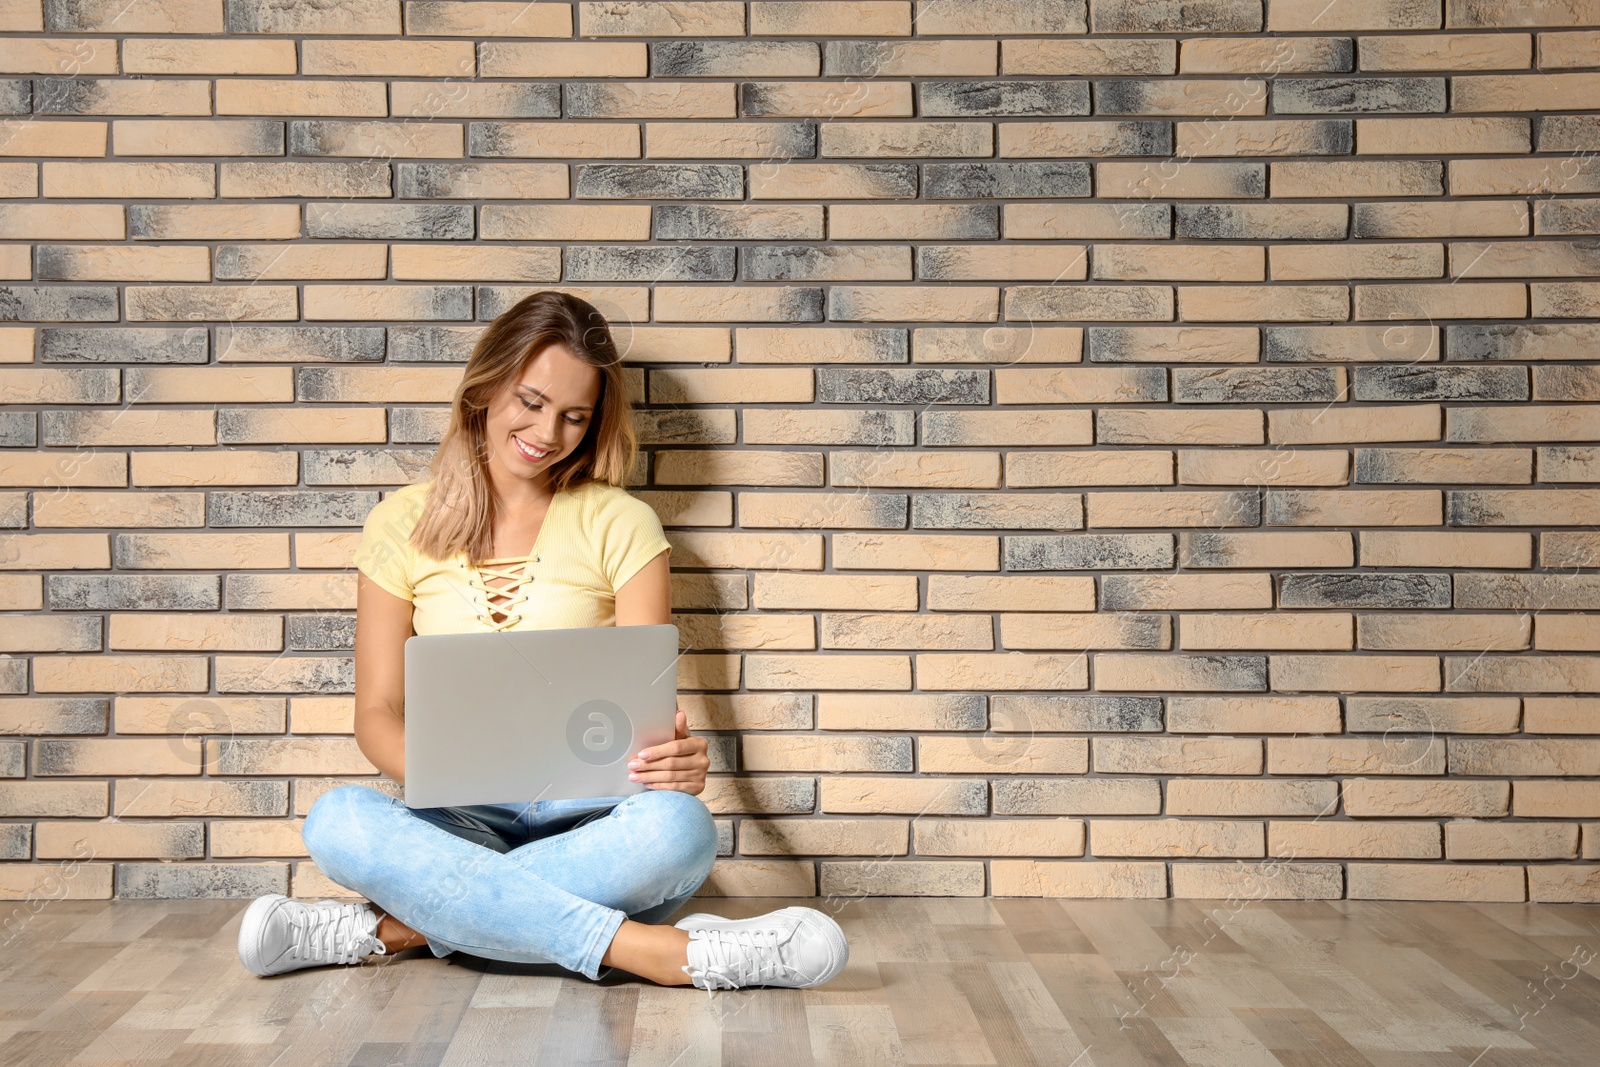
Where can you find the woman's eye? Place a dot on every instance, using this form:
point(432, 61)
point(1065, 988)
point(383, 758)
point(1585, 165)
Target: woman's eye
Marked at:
point(535, 407)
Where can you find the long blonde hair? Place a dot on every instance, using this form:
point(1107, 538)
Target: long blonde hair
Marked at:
point(460, 510)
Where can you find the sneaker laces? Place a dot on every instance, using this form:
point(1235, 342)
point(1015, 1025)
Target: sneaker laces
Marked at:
point(333, 934)
point(739, 957)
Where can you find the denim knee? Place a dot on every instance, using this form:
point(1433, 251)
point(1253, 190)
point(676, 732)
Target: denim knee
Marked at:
point(333, 832)
point(687, 834)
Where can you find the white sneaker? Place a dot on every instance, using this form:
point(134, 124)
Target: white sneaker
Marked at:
point(279, 934)
point(794, 947)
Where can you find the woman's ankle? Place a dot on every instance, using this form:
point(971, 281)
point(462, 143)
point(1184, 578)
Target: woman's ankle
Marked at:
point(657, 953)
point(396, 935)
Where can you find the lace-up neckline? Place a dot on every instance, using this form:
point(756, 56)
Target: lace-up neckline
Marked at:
point(516, 572)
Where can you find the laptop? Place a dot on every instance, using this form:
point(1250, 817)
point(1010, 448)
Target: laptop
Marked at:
point(525, 715)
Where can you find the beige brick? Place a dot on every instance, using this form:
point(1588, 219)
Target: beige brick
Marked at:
point(985, 593)
point(1163, 755)
point(1397, 754)
point(559, 59)
point(1002, 670)
point(867, 18)
point(119, 840)
point(105, 673)
point(1368, 797)
point(1251, 796)
point(1445, 548)
point(1176, 837)
point(1268, 880)
point(118, 756)
point(195, 798)
point(1060, 631)
point(759, 796)
point(994, 754)
point(1474, 840)
point(1166, 426)
point(1339, 839)
point(899, 631)
point(1433, 881)
point(193, 716)
point(999, 837)
point(71, 880)
point(834, 672)
point(35, 799)
point(1434, 715)
point(1077, 878)
point(900, 711)
point(824, 837)
point(921, 470)
point(835, 592)
point(256, 837)
point(1252, 715)
point(785, 752)
point(425, 59)
point(215, 56)
point(862, 795)
point(957, 552)
point(760, 878)
point(1274, 631)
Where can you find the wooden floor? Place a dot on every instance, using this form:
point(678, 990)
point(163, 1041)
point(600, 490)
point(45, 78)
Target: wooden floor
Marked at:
point(937, 981)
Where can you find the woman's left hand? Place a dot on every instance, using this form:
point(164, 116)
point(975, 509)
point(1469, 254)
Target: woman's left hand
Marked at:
point(680, 764)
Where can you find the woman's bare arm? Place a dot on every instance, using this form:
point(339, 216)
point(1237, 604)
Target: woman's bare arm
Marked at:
point(681, 764)
point(383, 622)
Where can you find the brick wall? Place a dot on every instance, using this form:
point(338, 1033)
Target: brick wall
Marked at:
point(1107, 451)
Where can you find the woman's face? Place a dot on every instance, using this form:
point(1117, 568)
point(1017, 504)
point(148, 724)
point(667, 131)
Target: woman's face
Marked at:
point(541, 417)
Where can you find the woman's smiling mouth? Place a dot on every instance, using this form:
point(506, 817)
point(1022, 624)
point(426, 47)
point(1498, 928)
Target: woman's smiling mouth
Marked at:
point(528, 452)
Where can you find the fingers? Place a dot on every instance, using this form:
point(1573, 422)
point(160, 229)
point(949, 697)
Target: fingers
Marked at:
point(683, 747)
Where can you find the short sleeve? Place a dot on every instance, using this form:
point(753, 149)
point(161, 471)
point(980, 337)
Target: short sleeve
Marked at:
point(384, 552)
point(631, 537)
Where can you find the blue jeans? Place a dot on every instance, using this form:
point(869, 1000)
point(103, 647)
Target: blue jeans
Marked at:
point(544, 882)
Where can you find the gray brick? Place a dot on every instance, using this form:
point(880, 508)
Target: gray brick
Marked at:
point(16, 96)
point(16, 841)
point(1359, 95)
point(733, 59)
point(1071, 713)
point(1506, 340)
point(996, 511)
point(724, 837)
point(289, 508)
point(390, 222)
point(363, 466)
point(723, 753)
point(418, 426)
point(717, 222)
point(71, 95)
point(49, 303)
point(300, 344)
point(952, 181)
point(1434, 382)
point(640, 263)
point(1369, 590)
point(1061, 303)
point(1263, 222)
point(125, 344)
point(1085, 552)
point(945, 99)
point(362, 178)
point(194, 881)
point(884, 385)
point(1254, 385)
point(1191, 16)
point(1487, 507)
point(320, 633)
point(1566, 216)
point(1558, 591)
point(791, 263)
point(14, 754)
point(432, 344)
point(461, 181)
point(1327, 344)
point(665, 181)
point(134, 592)
point(19, 429)
point(1076, 796)
point(67, 715)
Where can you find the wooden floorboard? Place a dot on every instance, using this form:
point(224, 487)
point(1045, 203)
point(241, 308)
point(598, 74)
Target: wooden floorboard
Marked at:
point(1014, 982)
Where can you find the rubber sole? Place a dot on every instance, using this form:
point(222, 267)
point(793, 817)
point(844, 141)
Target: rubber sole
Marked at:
point(250, 927)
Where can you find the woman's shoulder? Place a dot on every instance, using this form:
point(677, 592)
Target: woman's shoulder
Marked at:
point(604, 503)
point(401, 509)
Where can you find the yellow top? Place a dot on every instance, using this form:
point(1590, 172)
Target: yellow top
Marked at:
point(593, 539)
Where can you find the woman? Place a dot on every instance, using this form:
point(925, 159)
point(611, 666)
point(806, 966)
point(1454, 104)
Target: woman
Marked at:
point(539, 447)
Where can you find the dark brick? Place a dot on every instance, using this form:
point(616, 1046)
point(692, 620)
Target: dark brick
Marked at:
point(1371, 590)
point(16, 96)
point(1077, 714)
point(19, 429)
point(390, 222)
point(432, 344)
point(719, 59)
point(134, 592)
point(46, 303)
point(363, 466)
point(191, 881)
point(1190, 16)
point(638, 263)
point(418, 426)
point(948, 99)
point(125, 344)
point(333, 344)
point(1254, 385)
point(665, 181)
point(1434, 382)
point(1507, 340)
point(875, 385)
point(1263, 222)
point(1359, 95)
point(950, 181)
point(788, 263)
point(996, 511)
point(718, 222)
point(320, 633)
point(289, 508)
point(1087, 552)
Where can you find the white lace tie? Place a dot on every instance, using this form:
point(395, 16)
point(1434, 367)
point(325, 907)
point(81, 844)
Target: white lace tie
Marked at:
point(737, 958)
point(333, 934)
